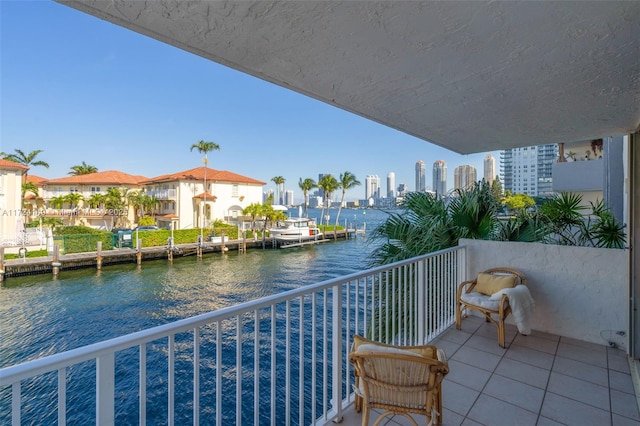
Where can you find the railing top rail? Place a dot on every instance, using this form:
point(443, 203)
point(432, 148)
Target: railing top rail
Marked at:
point(31, 368)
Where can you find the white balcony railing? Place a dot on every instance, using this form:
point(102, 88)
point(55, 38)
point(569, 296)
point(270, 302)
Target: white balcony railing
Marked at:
point(278, 360)
point(163, 194)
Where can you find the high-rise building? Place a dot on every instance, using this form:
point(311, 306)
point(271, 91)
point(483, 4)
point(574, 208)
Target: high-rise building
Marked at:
point(403, 189)
point(372, 187)
point(464, 176)
point(288, 197)
point(489, 169)
point(528, 170)
point(421, 183)
point(391, 185)
point(440, 178)
point(267, 194)
point(320, 192)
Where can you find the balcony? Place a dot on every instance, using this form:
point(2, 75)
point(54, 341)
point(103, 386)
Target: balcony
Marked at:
point(578, 176)
point(541, 379)
point(163, 194)
point(283, 359)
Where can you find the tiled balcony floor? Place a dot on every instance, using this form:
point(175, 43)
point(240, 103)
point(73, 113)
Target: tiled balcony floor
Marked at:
point(541, 379)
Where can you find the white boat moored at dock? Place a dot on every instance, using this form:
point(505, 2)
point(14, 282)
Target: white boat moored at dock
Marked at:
point(294, 230)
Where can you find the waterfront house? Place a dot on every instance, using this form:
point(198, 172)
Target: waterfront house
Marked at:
point(179, 198)
point(82, 199)
point(186, 201)
point(12, 219)
point(34, 202)
point(468, 76)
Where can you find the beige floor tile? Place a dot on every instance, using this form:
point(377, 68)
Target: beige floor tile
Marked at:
point(571, 412)
point(579, 390)
point(477, 358)
point(491, 411)
point(514, 392)
point(582, 371)
point(525, 373)
point(597, 357)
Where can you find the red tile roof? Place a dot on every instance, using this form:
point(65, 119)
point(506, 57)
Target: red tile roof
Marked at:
point(36, 180)
point(170, 216)
point(6, 164)
point(212, 175)
point(209, 196)
point(109, 177)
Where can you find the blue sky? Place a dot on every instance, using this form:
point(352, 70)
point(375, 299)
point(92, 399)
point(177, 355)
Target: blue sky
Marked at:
point(82, 89)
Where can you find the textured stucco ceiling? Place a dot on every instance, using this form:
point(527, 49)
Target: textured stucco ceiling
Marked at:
point(468, 76)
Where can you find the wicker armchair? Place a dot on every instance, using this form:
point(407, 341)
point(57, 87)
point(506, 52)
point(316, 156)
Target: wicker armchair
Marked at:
point(401, 380)
point(494, 310)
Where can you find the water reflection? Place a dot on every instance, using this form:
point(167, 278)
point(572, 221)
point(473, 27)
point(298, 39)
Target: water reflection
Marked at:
point(41, 315)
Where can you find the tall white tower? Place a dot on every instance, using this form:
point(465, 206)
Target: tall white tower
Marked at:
point(464, 177)
point(391, 185)
point(372, 187)
point(440, 178)
point(528, 170)
point(420, 176)
point(489, 169)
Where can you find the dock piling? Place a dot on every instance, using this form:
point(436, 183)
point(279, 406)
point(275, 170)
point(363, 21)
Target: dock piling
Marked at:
point(56, 260)
point(139, 251)
point(1, 264)
point(99, 256)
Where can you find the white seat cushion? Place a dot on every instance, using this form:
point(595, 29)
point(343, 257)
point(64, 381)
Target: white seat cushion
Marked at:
point(481, 300)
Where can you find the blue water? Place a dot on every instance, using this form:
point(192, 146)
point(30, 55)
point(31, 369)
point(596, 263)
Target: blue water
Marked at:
point(41, 316)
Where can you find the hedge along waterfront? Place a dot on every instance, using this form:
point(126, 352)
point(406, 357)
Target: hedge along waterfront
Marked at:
point(79, 239)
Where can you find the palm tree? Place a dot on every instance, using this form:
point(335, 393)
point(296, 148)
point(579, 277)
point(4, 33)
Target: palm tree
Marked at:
point(328, 183)
point(29, 187)
point(113, 199)
point(82, 169)
point(57, 202)
point(117, 200)
point(426, 224)
point(347, 181)
point(149, 203)
point(279, 181)
point(73, 198)
point(307, 185)
point(204, 148)
point(96, 200)
point(564, 215)
point(135, 200)
point(26, 159)
point(254, 210)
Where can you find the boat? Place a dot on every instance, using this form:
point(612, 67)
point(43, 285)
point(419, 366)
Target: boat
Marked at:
point(295, 230)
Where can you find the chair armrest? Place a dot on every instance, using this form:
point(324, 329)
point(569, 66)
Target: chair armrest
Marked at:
point(463, 284)
point(442, 357)
point(503, 305)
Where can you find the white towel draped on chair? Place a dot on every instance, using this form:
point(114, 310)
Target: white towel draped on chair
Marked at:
point(522, 305)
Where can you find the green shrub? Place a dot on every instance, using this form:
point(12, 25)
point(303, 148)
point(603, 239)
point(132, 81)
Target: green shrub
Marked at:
point(146, 221)
point(183, 236)
point(79, 239)
point(77, 230)
point(81, 243)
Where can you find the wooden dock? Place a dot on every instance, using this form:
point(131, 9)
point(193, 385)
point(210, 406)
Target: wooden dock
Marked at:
point(97, 259)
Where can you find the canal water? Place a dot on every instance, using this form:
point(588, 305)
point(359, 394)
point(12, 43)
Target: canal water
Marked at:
point(40, 316)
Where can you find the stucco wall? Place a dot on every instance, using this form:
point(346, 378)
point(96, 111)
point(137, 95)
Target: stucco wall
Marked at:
point(580, 292)
point(10, 203)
